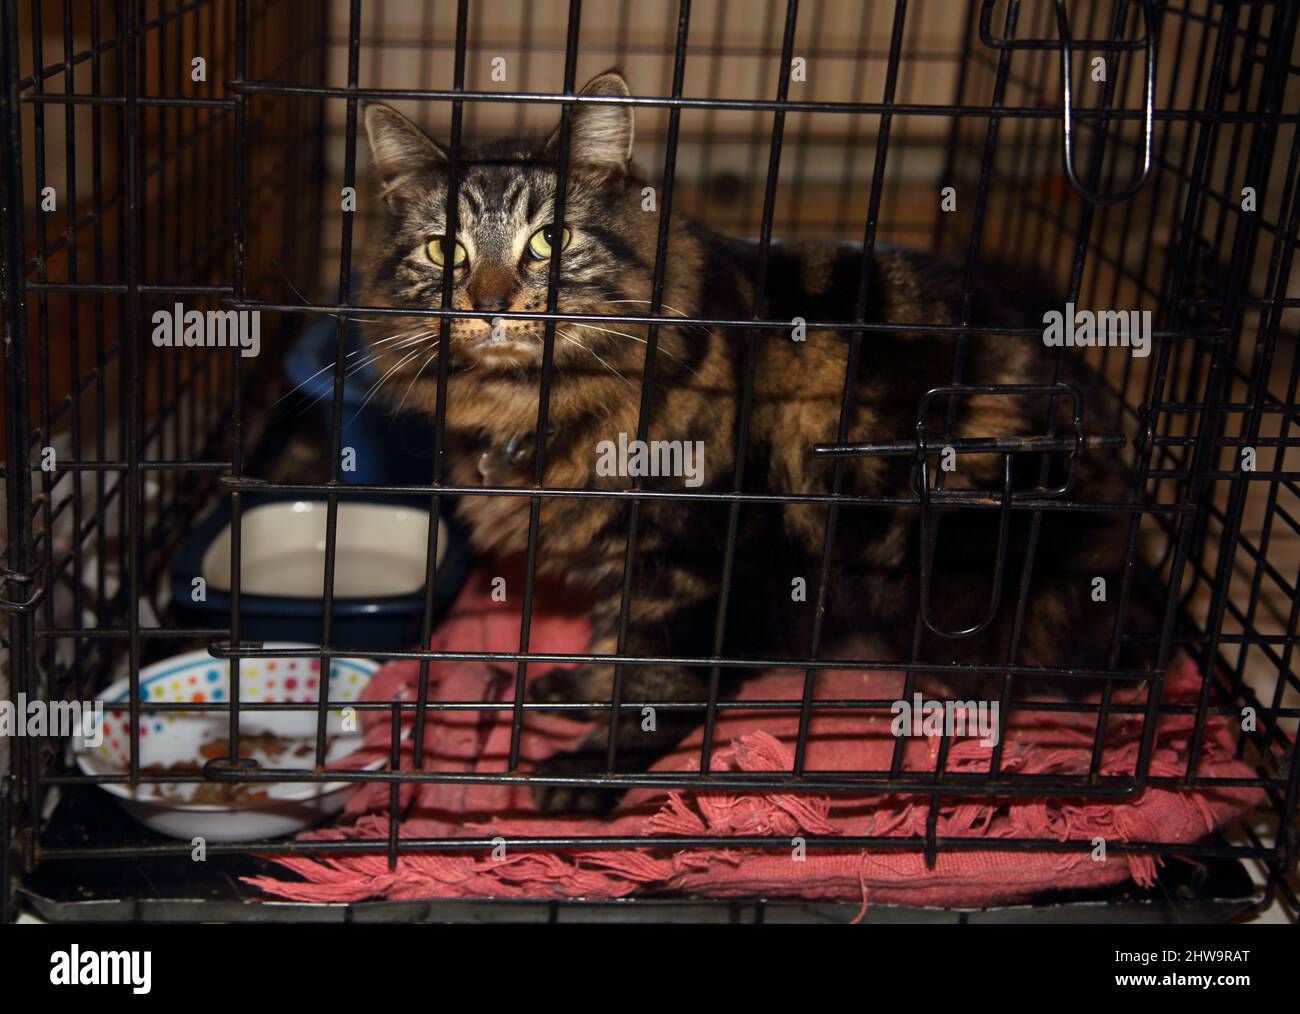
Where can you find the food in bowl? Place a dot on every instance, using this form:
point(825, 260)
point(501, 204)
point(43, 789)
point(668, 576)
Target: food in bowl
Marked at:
point(267, 748)
point(180, 743)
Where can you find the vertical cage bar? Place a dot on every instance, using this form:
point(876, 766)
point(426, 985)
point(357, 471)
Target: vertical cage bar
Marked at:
point(851, 367)
point(340, 364)
point(132, 223)
point(751, 340)
point(20, 559)
point(239, 185)
point(658, 280)
point(443, 352)
point(548, 364)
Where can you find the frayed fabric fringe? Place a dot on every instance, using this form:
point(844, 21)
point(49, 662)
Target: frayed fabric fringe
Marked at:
point(1045, 743)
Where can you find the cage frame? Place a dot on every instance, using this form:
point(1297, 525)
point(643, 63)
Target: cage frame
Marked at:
point(1187, 522)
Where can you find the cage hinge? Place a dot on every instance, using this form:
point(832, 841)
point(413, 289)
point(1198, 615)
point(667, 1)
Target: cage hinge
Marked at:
point(18, 577)
point(29, 847)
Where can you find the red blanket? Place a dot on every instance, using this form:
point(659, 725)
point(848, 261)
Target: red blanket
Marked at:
point(1037, 743)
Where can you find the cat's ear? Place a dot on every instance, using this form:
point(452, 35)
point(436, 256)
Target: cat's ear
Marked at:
point(400, 148)
point(600, 137)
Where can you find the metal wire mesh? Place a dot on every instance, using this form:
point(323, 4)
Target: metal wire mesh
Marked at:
point(223, 192)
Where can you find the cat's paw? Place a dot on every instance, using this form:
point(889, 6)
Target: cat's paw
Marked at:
point(560, 686)
point(586, 799)
point(582, 685)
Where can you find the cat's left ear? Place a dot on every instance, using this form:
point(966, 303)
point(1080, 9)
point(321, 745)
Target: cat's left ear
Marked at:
point(600, 136)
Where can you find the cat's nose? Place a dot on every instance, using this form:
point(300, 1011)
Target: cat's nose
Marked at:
point(492, 302)
point(491, 291)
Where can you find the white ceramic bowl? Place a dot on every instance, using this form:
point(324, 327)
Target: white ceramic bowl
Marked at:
point(380, 551)
point(168, 737)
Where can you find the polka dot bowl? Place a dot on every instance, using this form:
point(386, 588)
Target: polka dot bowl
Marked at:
point(178, 737)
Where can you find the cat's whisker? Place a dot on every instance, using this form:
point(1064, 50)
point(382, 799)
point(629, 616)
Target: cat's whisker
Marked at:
point(647, 302)
point(608, 330)
point(643, 341)
point(403, 341)
point(406, 344)
point(296, 387)
point(574, 341)
point(306, 302)
point(358, 367)
point(330, 366)
point(409, 387)
point(702, 328)
point(382, 380)
point(326, 387)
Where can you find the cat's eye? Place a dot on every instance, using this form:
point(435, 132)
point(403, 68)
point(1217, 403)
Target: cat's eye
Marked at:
point(437, 251)
point(542, 243)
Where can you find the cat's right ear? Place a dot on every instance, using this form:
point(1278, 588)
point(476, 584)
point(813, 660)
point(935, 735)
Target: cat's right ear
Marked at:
point(401, 149)
point(600, 137)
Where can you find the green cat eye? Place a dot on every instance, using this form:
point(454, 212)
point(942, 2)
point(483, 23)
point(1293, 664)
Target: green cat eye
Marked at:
point(436, 250)
point(542, 243)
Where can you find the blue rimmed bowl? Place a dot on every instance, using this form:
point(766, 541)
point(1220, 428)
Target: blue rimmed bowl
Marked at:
point(378, 577)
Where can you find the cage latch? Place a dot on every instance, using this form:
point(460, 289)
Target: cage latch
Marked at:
point(1066, 44)
point(921, 449)
point(929, 537)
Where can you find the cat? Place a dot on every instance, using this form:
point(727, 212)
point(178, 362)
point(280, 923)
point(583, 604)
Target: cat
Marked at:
point(501, 259)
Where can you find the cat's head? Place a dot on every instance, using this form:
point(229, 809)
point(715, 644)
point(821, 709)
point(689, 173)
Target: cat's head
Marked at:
point(506, 236)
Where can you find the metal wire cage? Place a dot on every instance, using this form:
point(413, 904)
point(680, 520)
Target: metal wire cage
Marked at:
point(163, 151)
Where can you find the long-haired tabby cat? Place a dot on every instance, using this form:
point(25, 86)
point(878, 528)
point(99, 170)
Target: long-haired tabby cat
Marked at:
point(501, 257)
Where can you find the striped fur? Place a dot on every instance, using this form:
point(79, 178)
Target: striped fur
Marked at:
point(507, 191)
